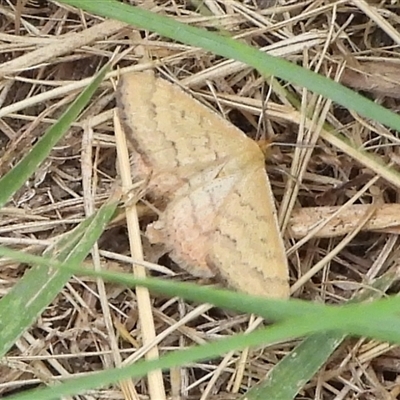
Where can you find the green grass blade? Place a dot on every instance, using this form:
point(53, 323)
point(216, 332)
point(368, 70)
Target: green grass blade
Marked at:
point(372, 318)
point(297, 368)
point(274, 310)
point(140, 369)
point(40, 285)
point(289, 376)
point(234, 49)
point(330, 318)
point(13, 180)
point(268, 308)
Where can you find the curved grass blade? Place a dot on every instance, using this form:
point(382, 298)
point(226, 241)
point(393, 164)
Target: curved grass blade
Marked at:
point(13, 180)
point(271, 309)
point(234, 49)
point(365, 319)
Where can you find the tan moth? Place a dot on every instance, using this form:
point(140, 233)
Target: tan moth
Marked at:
point(218, 216)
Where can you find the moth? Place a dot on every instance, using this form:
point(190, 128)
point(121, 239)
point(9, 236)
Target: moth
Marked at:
point(218, 217)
